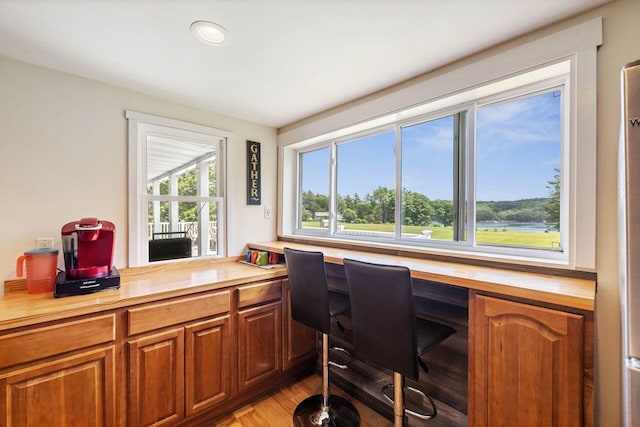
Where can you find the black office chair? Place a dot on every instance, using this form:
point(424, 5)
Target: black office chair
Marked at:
point(313, 305)
point(386, 330)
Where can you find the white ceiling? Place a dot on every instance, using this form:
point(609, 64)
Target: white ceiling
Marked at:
point(287, 59)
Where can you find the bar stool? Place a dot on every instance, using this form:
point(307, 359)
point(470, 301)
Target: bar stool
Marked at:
point(312, 305)
point(386, 329)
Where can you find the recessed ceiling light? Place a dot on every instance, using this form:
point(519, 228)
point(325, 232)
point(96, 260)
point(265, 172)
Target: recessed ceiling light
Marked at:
point(209, 33)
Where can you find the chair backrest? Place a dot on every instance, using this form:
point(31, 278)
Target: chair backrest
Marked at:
point(308, 288)
point(383, 316)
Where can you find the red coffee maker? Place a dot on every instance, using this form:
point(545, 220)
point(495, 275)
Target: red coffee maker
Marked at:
point(88, 247)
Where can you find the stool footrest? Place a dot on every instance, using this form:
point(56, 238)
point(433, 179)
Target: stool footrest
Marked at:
point(344, 352)
point(427, 414)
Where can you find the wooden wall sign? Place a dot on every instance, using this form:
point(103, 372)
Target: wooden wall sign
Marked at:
point(254, 174)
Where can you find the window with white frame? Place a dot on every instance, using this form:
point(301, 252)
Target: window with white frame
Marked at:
point(176, 189)
point(474, 172)
point(482, 154)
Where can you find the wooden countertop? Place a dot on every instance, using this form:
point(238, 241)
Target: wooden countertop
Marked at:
point(564, 291)
point(137, 285)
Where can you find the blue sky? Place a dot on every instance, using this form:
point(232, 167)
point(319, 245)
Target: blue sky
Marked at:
point(518, 147)
point(517, 150)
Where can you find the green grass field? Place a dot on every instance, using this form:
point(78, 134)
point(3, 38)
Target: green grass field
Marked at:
point(514, 238)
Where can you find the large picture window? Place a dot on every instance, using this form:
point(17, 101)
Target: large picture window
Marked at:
point(492, 159)
point(483, 173)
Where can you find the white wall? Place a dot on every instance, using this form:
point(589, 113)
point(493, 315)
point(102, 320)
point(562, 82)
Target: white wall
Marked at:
point(63, 156)
point(621, 33)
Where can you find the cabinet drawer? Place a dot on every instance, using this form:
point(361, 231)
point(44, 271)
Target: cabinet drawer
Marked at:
point(39, 343)
point(259, 293)
point(157, 316)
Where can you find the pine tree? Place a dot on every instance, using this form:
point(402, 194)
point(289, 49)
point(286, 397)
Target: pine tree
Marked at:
point(552, 207)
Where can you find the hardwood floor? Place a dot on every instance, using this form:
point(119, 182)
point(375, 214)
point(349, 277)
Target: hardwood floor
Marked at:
point(276, 409)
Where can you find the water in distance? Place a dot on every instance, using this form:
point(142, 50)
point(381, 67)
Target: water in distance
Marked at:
point(531, 227)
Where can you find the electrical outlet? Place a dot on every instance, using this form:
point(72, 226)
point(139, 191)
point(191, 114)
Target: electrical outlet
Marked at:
point(267, 212)
point(44, 242)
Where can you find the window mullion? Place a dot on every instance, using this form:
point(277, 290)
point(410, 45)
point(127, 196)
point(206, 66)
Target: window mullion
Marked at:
point(398, 163)
point(458, 177)
point(333, 192)
point(470, 167)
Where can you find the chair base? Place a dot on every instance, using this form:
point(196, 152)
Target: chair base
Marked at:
point(340, 413)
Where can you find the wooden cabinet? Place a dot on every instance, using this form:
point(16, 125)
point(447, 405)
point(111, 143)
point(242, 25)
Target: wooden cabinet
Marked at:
point(207, 363)
point(62, 375)
point(259, 333)
point(72, 391)
point(183, 370)
point(145, 356)
point(156, 379)
point(299, 341)
point(525, 366)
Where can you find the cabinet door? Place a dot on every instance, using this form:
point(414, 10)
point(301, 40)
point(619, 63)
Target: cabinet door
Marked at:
point(259, 344)
point(526, 365)
point(299, 340)
point(208, 364)
point(72, 391)
point(156, 379)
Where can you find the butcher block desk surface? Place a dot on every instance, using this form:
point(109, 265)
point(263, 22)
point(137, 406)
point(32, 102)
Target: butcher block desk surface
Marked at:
point(545, 288)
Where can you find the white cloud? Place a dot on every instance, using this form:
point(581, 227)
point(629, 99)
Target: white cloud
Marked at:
point(525, 121)
point(433, 135)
